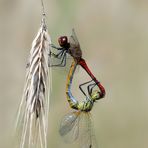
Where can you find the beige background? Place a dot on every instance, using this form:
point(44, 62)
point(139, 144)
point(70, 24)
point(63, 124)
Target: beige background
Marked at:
point(114, 39)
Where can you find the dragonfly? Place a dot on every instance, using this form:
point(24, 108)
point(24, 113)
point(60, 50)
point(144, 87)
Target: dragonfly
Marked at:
point(72, 48)
point(77, 125)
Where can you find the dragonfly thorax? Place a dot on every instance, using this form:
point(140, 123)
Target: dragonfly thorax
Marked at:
point(85, 106)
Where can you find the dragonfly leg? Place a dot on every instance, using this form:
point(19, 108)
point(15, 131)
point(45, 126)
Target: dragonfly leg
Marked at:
point(80, 86)
point(58, 48)
point(59, 54)
point(56, 56)
point(90, 88)
point(63, 60)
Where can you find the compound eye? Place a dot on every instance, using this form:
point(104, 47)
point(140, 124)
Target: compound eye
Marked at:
point(63, 41)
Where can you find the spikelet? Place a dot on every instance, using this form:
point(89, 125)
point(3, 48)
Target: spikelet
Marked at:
point(33, 110)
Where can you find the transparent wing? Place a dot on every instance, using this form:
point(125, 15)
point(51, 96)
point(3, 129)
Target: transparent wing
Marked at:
point(74, 49)
point(69, 128)
point(87, 138)
point(73, 39)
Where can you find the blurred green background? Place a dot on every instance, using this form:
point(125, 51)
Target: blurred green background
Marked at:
point(114, 39)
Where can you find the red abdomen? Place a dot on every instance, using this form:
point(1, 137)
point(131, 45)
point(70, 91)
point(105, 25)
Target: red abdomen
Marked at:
point(85, 67)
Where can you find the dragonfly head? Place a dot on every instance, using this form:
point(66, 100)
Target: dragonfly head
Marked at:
point(95, 95)
point(63, 41)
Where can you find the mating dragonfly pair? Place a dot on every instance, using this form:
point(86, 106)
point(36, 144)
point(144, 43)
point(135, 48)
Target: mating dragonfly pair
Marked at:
point(32, 118)
point(77, 124)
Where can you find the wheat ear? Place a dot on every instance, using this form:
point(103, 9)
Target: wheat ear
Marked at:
point(34, 107)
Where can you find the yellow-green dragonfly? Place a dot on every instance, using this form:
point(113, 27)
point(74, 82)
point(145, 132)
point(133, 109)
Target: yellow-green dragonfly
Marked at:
point(77, 125)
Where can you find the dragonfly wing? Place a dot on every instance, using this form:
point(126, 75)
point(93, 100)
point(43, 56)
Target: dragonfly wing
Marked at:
point(87, 137)
point(69, 128)
point(73, 38)
point(75, 48)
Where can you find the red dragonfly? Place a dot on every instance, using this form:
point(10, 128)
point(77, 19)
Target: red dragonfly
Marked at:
point(72, 47)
